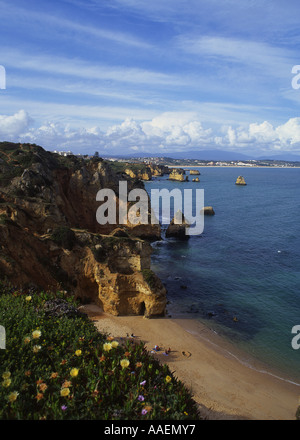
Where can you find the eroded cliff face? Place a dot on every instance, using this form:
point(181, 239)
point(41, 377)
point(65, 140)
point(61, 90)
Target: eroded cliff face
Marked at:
point(50, 237)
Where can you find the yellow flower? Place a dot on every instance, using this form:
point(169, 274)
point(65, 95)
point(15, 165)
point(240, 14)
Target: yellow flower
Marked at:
point(13, 396)
point(6, 383)
point(74, 372)
point(185, 413)
point(114, 344)
point(107, 346)
point(124, 363)
point(64, 392)
point(36, 334)
point(36, 348)
point(78, 352)
point(168, 379)
point(6, 375)
point(28, 298)
point(27, 340)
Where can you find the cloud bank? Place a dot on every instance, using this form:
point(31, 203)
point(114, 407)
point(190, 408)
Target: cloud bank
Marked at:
point(169, 132)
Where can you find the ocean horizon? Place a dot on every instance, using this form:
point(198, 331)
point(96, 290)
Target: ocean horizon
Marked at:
point(241, 276)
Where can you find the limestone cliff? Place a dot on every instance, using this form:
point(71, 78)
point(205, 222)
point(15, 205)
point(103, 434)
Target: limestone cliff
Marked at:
point(139, 170)
point(50, 238)
point(143, 174)
point(195, 172)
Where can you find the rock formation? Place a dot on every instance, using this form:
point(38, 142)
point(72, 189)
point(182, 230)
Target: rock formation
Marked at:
point(50, 237)
point(195, 172)
point(240, 181)
point(177, 227)
point(178, 174)
point(208, 210)
point(196, 179)
point(142, 174)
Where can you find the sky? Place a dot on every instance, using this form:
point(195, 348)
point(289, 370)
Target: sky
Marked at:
point(133, 76)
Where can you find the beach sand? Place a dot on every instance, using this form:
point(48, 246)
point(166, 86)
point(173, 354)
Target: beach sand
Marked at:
point(224, 388)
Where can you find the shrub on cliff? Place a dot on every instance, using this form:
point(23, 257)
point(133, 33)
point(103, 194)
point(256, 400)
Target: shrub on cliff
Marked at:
point(57, 366)
point(64, 237)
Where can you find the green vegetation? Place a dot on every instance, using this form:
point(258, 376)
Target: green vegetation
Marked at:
point(56, 365)
point(150, 277)
point(15, 158)
point(64, 236)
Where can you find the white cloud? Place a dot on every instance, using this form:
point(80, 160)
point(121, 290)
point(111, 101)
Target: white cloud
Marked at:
point(169, 132)
point(11, 126)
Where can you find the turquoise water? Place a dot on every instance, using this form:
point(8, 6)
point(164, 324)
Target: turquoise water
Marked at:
point(241, 276)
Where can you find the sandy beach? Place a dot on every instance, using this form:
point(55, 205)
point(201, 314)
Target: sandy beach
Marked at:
point(224, 388)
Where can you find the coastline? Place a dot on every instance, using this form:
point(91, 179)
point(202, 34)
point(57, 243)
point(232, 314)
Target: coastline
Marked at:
point(224, 387)
point(227, 166)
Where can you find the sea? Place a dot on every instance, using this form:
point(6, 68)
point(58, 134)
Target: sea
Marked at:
point(241, 276)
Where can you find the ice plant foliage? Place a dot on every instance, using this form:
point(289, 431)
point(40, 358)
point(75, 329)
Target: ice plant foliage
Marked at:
point(63, 368)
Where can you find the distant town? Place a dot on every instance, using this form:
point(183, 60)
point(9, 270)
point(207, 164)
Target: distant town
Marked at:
point(171, 162)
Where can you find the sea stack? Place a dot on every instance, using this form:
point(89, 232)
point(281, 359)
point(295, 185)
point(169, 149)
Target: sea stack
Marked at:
point(195, 172)
point(240, 181)
point(177, 227)
point(208, 210)
point(178, 174)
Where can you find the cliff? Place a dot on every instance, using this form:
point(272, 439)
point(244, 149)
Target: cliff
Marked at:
point(139, 170)
point(50, 237)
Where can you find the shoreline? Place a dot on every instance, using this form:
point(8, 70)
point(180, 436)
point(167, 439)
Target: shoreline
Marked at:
point(228, 166)
point(222, 384)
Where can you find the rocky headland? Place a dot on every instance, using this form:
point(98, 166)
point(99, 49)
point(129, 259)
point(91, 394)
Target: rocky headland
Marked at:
point(50, 238)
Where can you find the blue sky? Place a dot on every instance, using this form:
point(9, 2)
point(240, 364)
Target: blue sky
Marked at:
point(129, 76)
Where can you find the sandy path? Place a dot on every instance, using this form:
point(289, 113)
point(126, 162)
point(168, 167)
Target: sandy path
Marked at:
point(222, 386)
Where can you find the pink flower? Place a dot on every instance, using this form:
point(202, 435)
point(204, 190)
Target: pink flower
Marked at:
point(144, 411)
point(141, 398)
point(143, 383)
